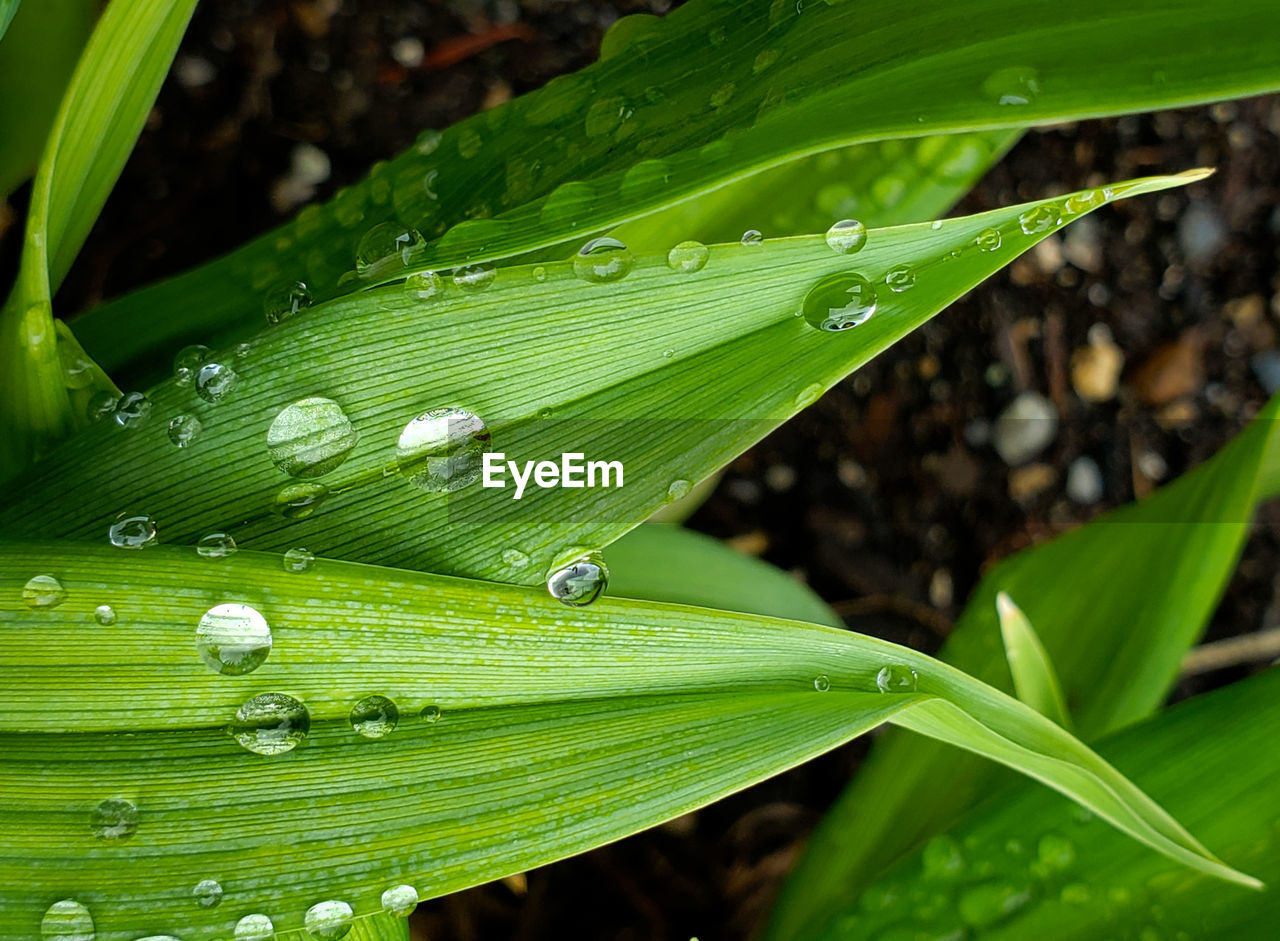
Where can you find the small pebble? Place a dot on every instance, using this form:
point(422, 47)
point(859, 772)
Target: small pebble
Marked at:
point(1266, 366)
point(1152, 466)
point(1029, 481)
point(1173, 371)
point(1025, 428)
point(1201, 233)
point(1084, 481)
point(1095, 369)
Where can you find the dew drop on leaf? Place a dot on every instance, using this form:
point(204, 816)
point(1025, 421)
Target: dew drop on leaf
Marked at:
point(400, 900)
point(431, 714)
point(847, 236)
point(131, 410)
point(215, 381)
point(752, 237)
point(298, 560)
point(579, 582)
point(1084, 201)
point(114, 819)
point(387, 246)
point(187, 362)
point(677, 489)
point(821, 683)
point(441, 450)
point(132, 531)
point(100, 405)
point(1038, 219)
point(233, 638)
point(43, 591)
point(688, 257)
point(374, 716)
point(310, 437)
point(603, 259)
point(475, 277)
point(900, 278)
point(105, 615)
point(207, 893)
point(300, 500)
point(216, 546)
point(254, 928)
point(896, 678)
point(515, 558)
point(988, 240)
point(328, 921)
point(270, 724)
point(424, 285)
point(1012, 86)
point(285, 300)
point(67, 920)
point(184, 430)
point(839, 302)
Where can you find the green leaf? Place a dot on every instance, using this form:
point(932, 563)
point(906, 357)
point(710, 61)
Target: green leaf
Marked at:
point(714, 92)
point(1117, 651)
point(657, 562)
point(7, 9)
point(525, 731)
point(1069, 877)
point(1033, 678)
point(666, 371)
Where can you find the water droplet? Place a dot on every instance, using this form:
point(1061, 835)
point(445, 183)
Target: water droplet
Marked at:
point(114, 819)
point(233, 638)
point(270, 724)
point(579, 582)
point(428, 141)
point(285, 300)
point(1038, 219)
point(328, 921)
point(105, 615)
point(440, 450)
point(311, 437)
point(215, 381)
point(723, 95)
point(431, 714)
point(847, 236)
point(67, 920)
point(601, 260)
point(133, 531)
point(821, 682)
point(207, 893)
point(515, 558)
point(539, 273)
point(896, 678)
point(242, 350)
point(131, 410)
point(688, 257)
point(604, 116)
point(300, 500)
point(387, 246)
point(424, 285)
point(1084, 201)
point(216, 546)
point(1056, 852)
point(839, 302)
point(184, 430)
point(188, 360)
point(678, 489)
point(43, 591)
point(900, 278)
point(1012, 86)
point(752, 237)
point(254, 928)
point(988, 240)
point(475, 277)
point(935, 225)
point(808, 395)
point(100, 405)
point(764, 59)
point(668, 353)
point(400, 900)
point(374, 716)
point(298, 560)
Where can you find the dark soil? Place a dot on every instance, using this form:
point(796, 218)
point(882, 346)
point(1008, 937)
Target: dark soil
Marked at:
point(894, 510)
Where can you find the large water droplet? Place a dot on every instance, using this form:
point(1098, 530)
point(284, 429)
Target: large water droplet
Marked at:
point(254, 928)
point(1038, 219)
point(896, 678)
point(328, 921)
point(900, 278)
point(579, 582)
point(188, 361)
point(424, 285)
point(601, 260)
point(216, 546)
point(114, 819)
point(285, 300)
point(441, 450)
point(184, 430)
point(822, 682)
point(300, 500)
point(207, 893)
point(752, 237)
point(131, 410)
point(233, 638)
point(988, 240)
point(67, 920)
point(298, 560)
point(215, 381)
point(387, 246)
point(105, 615)
point(847, 236)
point(1012, 86)
point(839, 302)
point(132, 531)
point(311, 437)
point(475, 277)
point(400, 900)
point(688, 257)
point(374, 716)
point(270, 724)
point(43, 591)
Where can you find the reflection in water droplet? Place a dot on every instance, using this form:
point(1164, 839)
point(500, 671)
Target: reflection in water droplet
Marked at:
point(475, 277)
point(298, 560)
point(100, 405)
point(678, 489)
point(821, 682)
point(1038, 219)
point(328, 921)
point(431, 713)
point(440, 450)
point(424, 285)
point(839, 302)
point(1012, 86)
point(688, 257)
point(387, 246)
point(215, 381)
point(285, 300)
point(43, 591)
point(188, 360)
point(896, 678)
point(311, 437)
point(132, 531)
point(131, 410)
point(207, 893)
point(579, 582)
point(216, 546)
point(900, 279)
point(515, 558)
point(752, 237)
point(67, 920)
point(184, 430)
point(400, 900)
point(847, 236)
point(988, 240)
point(233, 638)
point(114, 819)
point(105, 615)
point(270, 724)
point(374, 716)
point(1084, 201)
point(300, 500)
point(254, 928)
point(602, 260)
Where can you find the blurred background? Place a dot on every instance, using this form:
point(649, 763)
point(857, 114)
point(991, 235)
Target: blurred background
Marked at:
point(1143, 337)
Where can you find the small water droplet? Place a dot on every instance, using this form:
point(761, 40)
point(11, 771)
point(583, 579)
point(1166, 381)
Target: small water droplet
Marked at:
point(233, 638)
point(184, 430)
point(285, 300)
point(668, 353)
point(579, 582)
point(270, 724)
point(539, 274)
point(1038, 219)
point(400, 900)
point(328, 921)
point(440, 450)
point(896, 678)
point(242, 350)
point(988, 240)
point(207, 893)
point(215, 381)
point(114, 819)
point(216, 546)
point(602, 260)
point(428, 141)
point(900, 278)
point(311, 437)
point(1056, 852)
point(752, 237)
point(688, 257)
point(935, 225)
point(808, 395)
point(515, 558)
point(43, 591)
point(374, 716)
point(847, 236)
point(387, 246)
point(300, 500)
point(67, 920)
point(298, 560)
point(105, 615)
point(431, 714)
point(821, 682)
point(131, 410)
point(1012, 86)
point(476, 277)
point(133, 531)
point(254, 928)
point(424, 285)
point(839, 302)
point(678, 489)
point(188, 360)
point(1084, 201)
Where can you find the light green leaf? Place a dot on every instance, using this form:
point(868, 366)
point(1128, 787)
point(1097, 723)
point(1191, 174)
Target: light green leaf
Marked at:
point(524, 731)
point(1033, 678)
point(7, 10)
point(669, 372)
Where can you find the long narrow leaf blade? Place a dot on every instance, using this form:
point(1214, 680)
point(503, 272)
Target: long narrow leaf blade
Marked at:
point(7, 10)
point(1034, 679)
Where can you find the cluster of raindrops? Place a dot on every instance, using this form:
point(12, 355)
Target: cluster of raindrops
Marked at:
point(579, 581)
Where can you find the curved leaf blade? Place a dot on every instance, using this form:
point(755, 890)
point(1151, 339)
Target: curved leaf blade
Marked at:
point(1033, 677)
